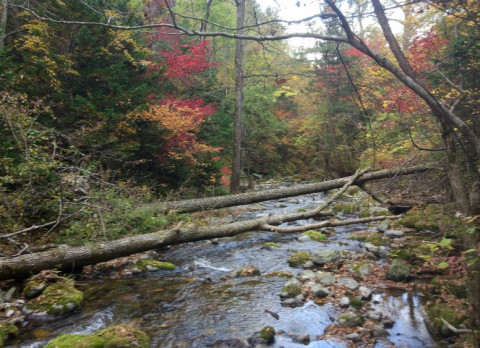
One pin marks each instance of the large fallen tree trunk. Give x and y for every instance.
(199, 204)
(68, 258)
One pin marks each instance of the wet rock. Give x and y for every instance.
(7, 331)
(349, 283)
(376, 315)
(383, 226)
(325, 278)
(306, 275)
(379, 251)
(264, 336)
(398, 271)
(350, 319)
(388, 323)
(319, 291)
(230, 343)
(150, 265)
(365, 292)
(298, 258)
(33, 289)
(304, 238)
(315, 235)
(354, 337)
(323, 257)
(379, 330)
(294, 302)
(344, 302)
(124, 336)
(308, 264)
(291, 288)
(300, 338)
(394, 233)
(57, 299)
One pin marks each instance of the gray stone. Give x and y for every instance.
(365, 293)
(350, 319)
(398, 271)
(291, 288)
(31, 290)
(376, 315)
(394, 233)
(9, 313)
(319, 291)
(344, 302)
(379, 330)
(383, 226)
(300, 338)
(304, 238)
(364, 269)
(9, 295)
(388, 323)
(349, 283)
(355, 337)
(306, 275)
(377, 211)
(323, 257)
(326, 278)
(230, 343)
(308, 264)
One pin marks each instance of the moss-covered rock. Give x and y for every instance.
(374, 211)
(291, 288)
(356, 303)
(33, 289)
(315, 235)
(7, 331)
(281, 274)
(151, 265)
(270, 245)
(350, 319)
(118, 336)
(57, 299)
(398, 271)
(248, 271)
(346, 208)
(434, 217)
(435, 314)
(299, 258)
(267, 334)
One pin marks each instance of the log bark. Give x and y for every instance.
(191, 205)
(66, 258)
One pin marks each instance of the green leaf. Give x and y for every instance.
(471, 230)
(445, 242)
(443, 265)
(470, 251)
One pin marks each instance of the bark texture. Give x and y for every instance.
(198, 204)
(68, 258)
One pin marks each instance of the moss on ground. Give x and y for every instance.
(7, 331)
(118, 336)
(152, 265)
(315, 235)
(299, 258)
(57, 299)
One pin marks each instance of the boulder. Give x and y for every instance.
(349, 283)
(350, 319)
(323, 257)
(319, 291)
(291, 288)
(325, 278)
(398, 271)
(365, 292)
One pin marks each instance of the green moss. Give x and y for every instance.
(248, 271)
(270, 245)
(299, 258)
(58, 298)
(356, 303)
(437, 312)
(76, 341)
(151, 264)
(376, 239)
(315, 235)
(7, 331)
(281, 274)
(267, 334)
(119, 336)
(346, 208)
(433, 217)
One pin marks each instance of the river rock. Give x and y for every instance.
(230, 343)
(300, 338)
(350, 319)
(291, 288)
(319, 291)
(365, 293)
(325, 278)
(376, 315)
(394, 233)
(379, 251)
(354, 337)
(364, 269)
(323, 257)
(398, 271)
(306, 275)
(379, 330)
(9, 294)
(308, 265)
(264, 336)
(33, 289)
(304, 238)
(349, 283)
(344, 302)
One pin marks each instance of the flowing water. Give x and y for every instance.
(198, 304)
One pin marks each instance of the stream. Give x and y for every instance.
(198, 303)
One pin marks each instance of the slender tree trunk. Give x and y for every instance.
(238, 122)
(198, 204)
(3, 24)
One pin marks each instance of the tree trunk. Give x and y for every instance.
(3, 24)
(198, 204)
(67, 258)
(237, 122)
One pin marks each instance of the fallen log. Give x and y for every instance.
(198, 204)
(67, 258)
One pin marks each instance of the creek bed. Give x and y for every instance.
(198, 303)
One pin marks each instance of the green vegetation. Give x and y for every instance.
(315, 235)
(121, 336)
(299, 258)
(356, 303)
(7, 331)
(144, 265)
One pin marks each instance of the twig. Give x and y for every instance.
(31, 228)
(454, 329)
